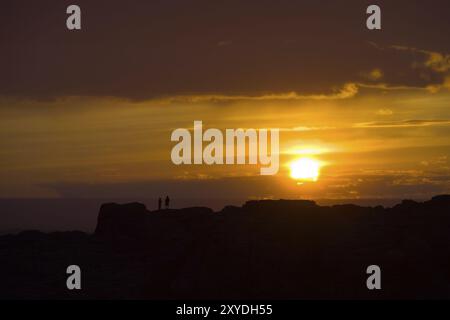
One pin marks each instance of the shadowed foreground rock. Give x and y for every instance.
(264, 249)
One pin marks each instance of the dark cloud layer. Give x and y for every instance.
(146, 49)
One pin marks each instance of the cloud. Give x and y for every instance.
(436, 61)
(384, 112)
(349, 90)
(307, 128)
(374, 75)
(401, 124)
(173, 50)
(439, 161)
(432, 61)
(408, 68)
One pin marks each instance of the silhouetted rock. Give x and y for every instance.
(280, 249)
(445, 199)
(439, 203)
(116, 219)
(278, 205)
(407, 204)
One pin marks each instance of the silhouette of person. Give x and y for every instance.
(159, 203)
(167, 202)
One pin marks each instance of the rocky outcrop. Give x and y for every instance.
(121, 219)
(270, 249)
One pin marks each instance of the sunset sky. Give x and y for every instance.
(89, 113)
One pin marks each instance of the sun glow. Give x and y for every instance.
(305, 169)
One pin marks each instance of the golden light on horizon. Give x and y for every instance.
(306, 169)
(308, 151)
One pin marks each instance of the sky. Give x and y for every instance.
(89, 113)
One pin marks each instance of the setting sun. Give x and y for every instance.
(305, 169)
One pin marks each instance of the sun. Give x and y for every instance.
(306, 169)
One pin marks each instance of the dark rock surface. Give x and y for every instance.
(282, 249)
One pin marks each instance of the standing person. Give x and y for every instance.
(167, 202)
(159, 203)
